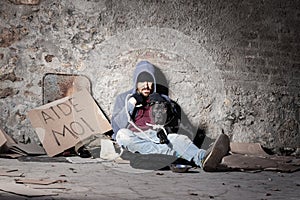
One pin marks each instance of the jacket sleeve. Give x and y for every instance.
(119, 118)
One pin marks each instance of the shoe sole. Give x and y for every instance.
(218, 151)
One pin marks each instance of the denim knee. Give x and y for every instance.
(123, 137)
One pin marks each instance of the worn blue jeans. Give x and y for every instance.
(147, 142)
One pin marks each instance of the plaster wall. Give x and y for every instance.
(231, 64)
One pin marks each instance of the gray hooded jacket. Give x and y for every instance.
(119, 118)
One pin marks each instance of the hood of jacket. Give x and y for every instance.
(143, 66)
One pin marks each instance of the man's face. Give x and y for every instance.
(145, 88)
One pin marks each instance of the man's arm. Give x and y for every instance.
(119, 116)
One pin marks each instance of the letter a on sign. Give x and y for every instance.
(70, 122)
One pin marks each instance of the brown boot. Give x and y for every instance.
(214, 155)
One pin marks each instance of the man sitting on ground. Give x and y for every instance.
(134, 131)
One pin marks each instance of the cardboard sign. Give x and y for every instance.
(61, 124)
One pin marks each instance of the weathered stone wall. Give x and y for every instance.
(231, 64)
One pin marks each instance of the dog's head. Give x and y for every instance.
(159, 113)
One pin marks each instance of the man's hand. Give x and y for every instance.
(136, 99)
(163, 139)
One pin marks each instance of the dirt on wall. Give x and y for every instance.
(231, 65)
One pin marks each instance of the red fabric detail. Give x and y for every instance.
(143, 116)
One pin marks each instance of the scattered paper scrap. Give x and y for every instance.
(11, 173)
(12, 149)
(24, 190)
(39, 181)
(30, 149)
(273, 163)
(247, 149)
(79, 160)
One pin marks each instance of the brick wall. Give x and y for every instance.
(230, 64)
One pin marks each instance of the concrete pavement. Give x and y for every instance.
(111, 180)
